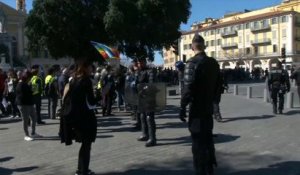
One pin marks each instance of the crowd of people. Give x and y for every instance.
(75, 93)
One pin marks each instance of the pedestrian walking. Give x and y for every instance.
(24, 100)
(201, 85)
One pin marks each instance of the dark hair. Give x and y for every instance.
(50, 71)
(26, 75)
(81, 69)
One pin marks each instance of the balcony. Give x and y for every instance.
(265, 41)
(261, 28)
(229, 45)
(297, 38)
(229, 34)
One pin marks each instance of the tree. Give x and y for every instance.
(66, 27)
(142, 26)
(136, 27)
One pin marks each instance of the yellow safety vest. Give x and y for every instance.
(49, 79)
(34, 85)
(99, 85)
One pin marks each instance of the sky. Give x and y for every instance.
(200, 10)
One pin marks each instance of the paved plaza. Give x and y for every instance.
(250, 141)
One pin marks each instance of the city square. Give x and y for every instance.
(149, 87)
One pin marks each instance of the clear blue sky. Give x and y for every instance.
(201, 9)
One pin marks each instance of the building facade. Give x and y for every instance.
(12, 23)
(250, 39)
(12, 34)
(170, 58)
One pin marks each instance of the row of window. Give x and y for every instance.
(253, 25)
(247, 51)
(218, 42)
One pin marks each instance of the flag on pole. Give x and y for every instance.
(105, 51)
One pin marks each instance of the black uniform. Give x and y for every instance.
(147, 118)
(278, 84)
(108, 92)
(296, 75)
(201, 86)
(223, 86)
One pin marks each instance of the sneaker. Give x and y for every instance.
(36, 136)
(27, 138)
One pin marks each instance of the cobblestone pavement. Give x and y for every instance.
(251, 141)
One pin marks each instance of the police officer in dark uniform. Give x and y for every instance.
(148, 125)
(201, 86)
(278, 84)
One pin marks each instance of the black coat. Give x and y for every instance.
(201, 85)
(78, 121)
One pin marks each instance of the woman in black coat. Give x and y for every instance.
(78, 121)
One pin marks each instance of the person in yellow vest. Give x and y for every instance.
(37, 89)
(52, 92)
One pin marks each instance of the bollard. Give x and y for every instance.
(290, 100)
(249, 92)
(266, 96)
(235, 90)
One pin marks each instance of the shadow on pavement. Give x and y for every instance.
(181, 167)
(172, 125)
(247, 118)
(7, 121)
(174, 141)
(281, 168)
(54, 138)
(292, 112)
(109, 121)
(222, 138)
(8, 171)
(104, 136)
(3, 129)
(5, 159)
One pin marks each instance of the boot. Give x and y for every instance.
(274, 108)
(144, 126)
(152, 131)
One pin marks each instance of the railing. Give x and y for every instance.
(297, 23)
(261, 41)
(229, 45)
(261, 28)
(229, 33)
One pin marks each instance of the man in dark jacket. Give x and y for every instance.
(279, 84)
(148, 125)
(201, 85)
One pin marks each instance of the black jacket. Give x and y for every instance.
(201, 85)
(79, 122)
(24, 94)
